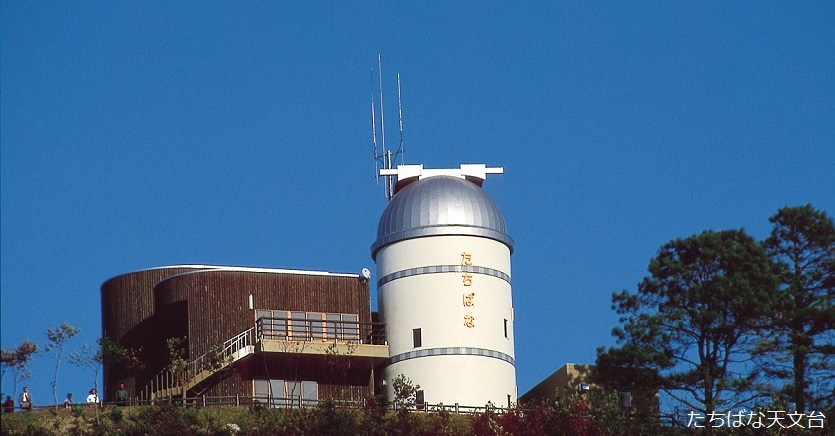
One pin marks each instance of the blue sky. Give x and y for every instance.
(136, 135)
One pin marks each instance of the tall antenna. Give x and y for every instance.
(400, 150)
(385, 157)
(374, 130)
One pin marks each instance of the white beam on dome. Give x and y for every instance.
(465, 171)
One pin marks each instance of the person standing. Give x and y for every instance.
(8, 405)
(26, 399)
(93, 398)
(68, 401)
(122, 394)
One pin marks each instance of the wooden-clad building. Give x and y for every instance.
(284, 336)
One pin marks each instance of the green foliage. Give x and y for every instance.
(799, 351)
(217, 361)
(163, 419)
(687, 328)
(405, 392)
(339, 366)
(16, 359)
(177, 362)
(57, 338)
(89, 358)
(116, 414)
(597, 413)
(333, 421)
(574, 416)
(115, 356)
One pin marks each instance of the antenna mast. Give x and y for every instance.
(385, 157)
(400, 150)
(374, 130)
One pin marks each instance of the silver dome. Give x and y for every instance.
(440, 205)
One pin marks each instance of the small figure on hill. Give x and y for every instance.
(26, 399)
(93, 398)
(122, 394)
(68, 401)
(8, 405)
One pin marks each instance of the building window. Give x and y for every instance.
(307, 326)
(505, 328)
(299, 328)
(625, 399)
(317, 327)
(420, 402)
(262, 390)
(350, 328)
(287, 393)
(416, 337)
(332, 327)
(310, 393)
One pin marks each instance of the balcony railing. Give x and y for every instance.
(291, 329)
(168, 384)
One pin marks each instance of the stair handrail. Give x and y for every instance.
(164, 380)
(212, 358)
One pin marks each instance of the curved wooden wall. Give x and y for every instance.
(127, 308)
(209, 305)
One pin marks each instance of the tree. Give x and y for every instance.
(106, 352)
(17, 360)
(177, 362)
(686, 330)
(405, 392)
(801, 349)
(339, 366)
(6, 361)
(58, 337)
(119, 358)
(91, 358)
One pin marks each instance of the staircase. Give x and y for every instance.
(167, 385)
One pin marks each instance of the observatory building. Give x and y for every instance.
(286, 337)
(443, 280)
(292, 338)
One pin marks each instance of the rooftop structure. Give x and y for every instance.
(292, 338)
(441, 202)
(443, 268)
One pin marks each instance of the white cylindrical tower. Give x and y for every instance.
(443, 278)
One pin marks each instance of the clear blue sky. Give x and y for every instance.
(144, 134)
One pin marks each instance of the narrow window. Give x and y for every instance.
(294, 393)
(351, 327)
(505, 328)
(310, 393)
(317, 327)
(334, 326)
(419, 401)
(265, 327)
(278, 393)
(299, 330)
(262, 389)
(625, 399)
(417, 338)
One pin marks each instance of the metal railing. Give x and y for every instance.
(169, 383)
(216, 359)
(292, 402)
(290, 329)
